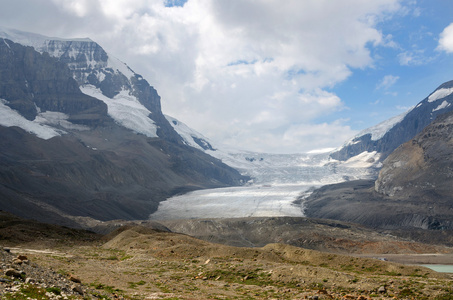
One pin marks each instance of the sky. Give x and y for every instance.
(266, 75)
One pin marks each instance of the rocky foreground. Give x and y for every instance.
(24, 279)
(136, 262)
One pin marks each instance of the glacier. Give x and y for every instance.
(278, 186)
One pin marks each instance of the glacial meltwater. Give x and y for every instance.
(440, 268)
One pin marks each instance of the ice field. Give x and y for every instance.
(277, 182)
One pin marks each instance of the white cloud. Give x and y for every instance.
(244, 72)
(387, 82)
(415, 57)
(446, 39)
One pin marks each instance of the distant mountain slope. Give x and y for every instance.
(414, 188)
(82, 135)
(388, 135)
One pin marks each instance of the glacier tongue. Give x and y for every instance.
(280, 183)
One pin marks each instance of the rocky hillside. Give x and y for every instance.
(82, 135)
(414, 188)
(387, 136)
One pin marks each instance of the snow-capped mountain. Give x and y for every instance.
(388, 135)
(84, 136)
(130, 100)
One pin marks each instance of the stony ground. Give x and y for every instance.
(141, 263)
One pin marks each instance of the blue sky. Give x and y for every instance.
(266, 75)
(414, 66)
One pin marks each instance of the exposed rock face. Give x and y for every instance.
(423, 167)
(31, 81)
(439, 102)
(414, 188)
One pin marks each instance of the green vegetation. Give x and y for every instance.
(27, 292)
(133, 285)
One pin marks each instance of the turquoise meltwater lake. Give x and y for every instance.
(440, 268)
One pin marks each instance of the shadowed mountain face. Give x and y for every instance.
(92, 166)
(414, 188)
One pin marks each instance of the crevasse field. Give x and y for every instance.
(278, 180)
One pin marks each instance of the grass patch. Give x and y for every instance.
(133, 285)
(27, 292)
(55, 290)
(107, 288)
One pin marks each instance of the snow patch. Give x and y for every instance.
(126, 110)
(444, 104)
(58, 119)
(187, 133)
(439, 94)
(363, 160)
(119, 67)
(10, 117)
(319, 151)
(4, 41)
(100, 76)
